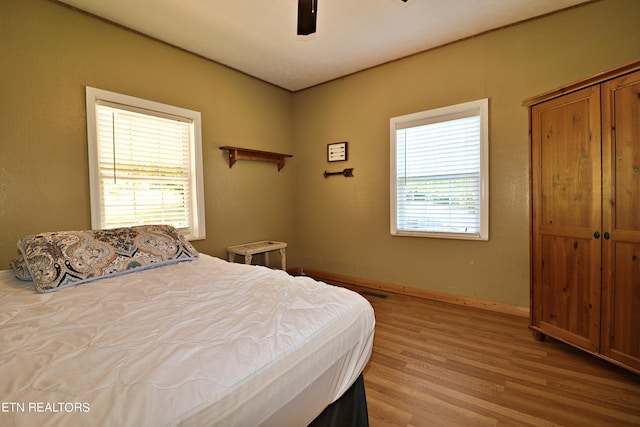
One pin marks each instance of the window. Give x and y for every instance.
(145, 163)
(440, 173)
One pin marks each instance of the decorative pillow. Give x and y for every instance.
(20, 269)
(62, 259)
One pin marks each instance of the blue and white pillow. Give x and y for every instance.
(57, 260)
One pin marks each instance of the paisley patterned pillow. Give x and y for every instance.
(20, 269)
(58, 260)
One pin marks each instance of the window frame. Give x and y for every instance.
(94, 97)
(467, 109)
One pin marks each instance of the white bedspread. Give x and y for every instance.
(204, 342)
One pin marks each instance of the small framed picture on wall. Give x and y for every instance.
(337, 152)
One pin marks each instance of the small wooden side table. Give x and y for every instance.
(263, 246)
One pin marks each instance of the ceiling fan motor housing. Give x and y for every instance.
(307, 14)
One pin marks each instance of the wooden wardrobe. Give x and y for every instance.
(585, 215)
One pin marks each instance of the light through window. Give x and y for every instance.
(439, 178)
(145, 163)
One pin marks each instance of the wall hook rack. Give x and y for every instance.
(347, 173)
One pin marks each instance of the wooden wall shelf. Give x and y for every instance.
(237, 153)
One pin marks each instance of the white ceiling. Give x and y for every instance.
(258, 37)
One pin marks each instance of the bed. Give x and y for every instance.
(193, 340)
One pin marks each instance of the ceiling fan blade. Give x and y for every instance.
(307, 13)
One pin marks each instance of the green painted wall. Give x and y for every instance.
(49, 53)
(343, 223)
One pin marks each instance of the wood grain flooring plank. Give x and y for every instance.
(439, 364)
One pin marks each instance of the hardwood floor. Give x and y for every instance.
(439, 364)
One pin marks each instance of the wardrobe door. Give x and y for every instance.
(621, 215)
(566, 218)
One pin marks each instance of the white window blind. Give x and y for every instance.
(143, 167)
(439, 186)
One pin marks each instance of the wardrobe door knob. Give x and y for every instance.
(606, 235)
(596, 235)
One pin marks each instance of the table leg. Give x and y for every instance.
(266, 258)
(247, 259)
(283, 256)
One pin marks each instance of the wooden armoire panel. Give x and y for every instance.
(566, 249)
(585, 214)
(621, 216)
(567, 303)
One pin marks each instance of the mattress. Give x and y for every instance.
(204, 342)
